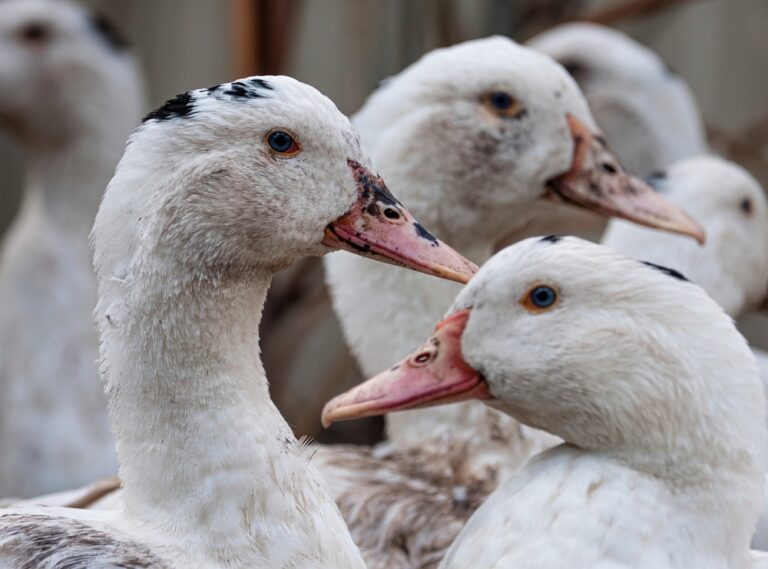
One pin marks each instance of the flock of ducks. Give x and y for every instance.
(604, 410)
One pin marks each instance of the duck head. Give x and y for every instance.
(494, 132)
(575, 339)
(256, 173)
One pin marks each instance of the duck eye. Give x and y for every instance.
(500, 100)
(502, 103)
(35, 33)
(543, 297)
(540, 297)
(746, 206)
(282, 142)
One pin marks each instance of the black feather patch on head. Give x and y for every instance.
(108, 32)
(244, 89)
(551, 239)
(667, 271)
(180, 106)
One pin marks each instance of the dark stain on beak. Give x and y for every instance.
(424, 234)
(371, 186)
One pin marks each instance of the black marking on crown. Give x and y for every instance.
(108, 33)
(551, 239)
(667, 271)
(183, 105)
(244, 89)
(180, 106)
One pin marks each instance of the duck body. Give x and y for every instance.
(71, 95)
(594, 512)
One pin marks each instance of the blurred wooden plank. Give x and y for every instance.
(245, 56)
(262, 31)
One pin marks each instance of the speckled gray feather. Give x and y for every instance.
(41, 542)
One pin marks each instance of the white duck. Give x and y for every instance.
(476, 135)
(70, 93)
(646, 111)
(218, 189)
(665, 430)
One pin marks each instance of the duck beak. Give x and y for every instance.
(435, 374)
(378, 226)
(597, 182)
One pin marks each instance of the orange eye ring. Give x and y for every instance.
(540, 298)
(282, 143)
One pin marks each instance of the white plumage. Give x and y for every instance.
(666, 430)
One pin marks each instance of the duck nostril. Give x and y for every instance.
(608, 167)
(391, 213)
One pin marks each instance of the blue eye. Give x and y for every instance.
(543, 296)
(282, 142)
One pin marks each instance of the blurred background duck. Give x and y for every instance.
(70, 93)
(647, 113)
(732, 266)
(665, 433)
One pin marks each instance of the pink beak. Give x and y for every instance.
(435, 374)
(378, 226)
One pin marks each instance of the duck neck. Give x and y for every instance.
(65, 179)
(717, 501)
(203, 450)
